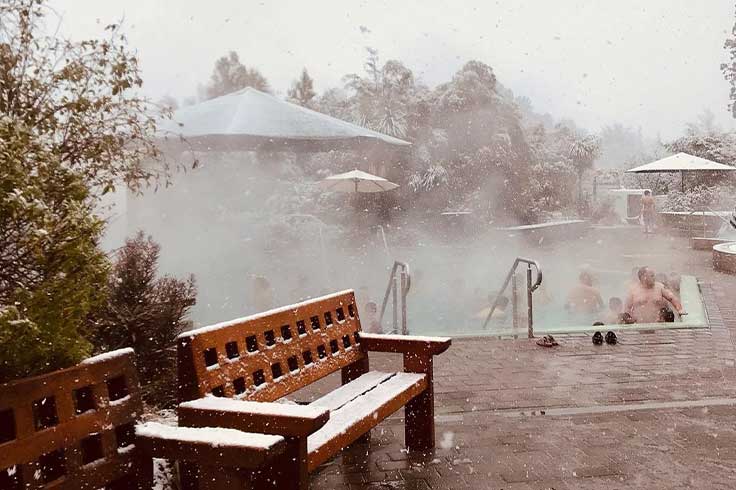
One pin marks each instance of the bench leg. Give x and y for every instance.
(143, 470)
(289, 471)
(188, 473)
(419, 412)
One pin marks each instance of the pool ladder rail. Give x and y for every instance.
(531, 286)
(399, 283)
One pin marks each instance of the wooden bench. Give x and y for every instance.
(257, 360)
(76, 429)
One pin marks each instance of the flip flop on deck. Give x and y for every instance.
(547, 341)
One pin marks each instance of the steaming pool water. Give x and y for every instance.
(450, 284)
(428, 316)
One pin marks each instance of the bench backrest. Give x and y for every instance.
(72, 428)
(269, 355)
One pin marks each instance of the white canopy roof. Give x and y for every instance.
(250, 118)
(356, 181)
(682, 162)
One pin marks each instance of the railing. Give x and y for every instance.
(382, 235)
(398, 287)
(705, 225)
(531, 286)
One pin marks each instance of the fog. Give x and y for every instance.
(231, 224)
(256, 231)
(653, 65)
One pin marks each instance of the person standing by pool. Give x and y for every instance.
(647, 211)
(584, 298)
(645, 301)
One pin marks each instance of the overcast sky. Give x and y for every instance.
(653, 64)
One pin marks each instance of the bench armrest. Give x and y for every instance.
(226, 447)
(261, 417)
(405, 344)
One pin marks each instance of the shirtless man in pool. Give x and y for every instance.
(646, 299)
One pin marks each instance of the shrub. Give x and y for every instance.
(145, 313)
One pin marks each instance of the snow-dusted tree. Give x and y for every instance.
(51, 271)
(382, 98)
(80, 98)
(72, 126)
(583, 152)
(705, 124)
(302, 90)
(719, 147)
(230, 75)
(729, 69)
(146, 313)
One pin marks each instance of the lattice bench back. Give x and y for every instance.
(267, 356)
(72, 428)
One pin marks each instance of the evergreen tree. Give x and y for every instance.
(302, 90)
(230, 75)
(146, 313)
(51, 271)
(71, 128)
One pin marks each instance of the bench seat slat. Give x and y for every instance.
(357, 417)
(207, 445)
(349, 392)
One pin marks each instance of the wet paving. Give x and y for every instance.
(655, 411)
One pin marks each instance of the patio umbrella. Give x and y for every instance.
(251, 120)
(356, 181)
(682, 162)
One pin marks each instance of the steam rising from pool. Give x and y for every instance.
(236, 222)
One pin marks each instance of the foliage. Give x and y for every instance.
(729, 69)
(619, 145)
(382, 98)
(718, 147)
(473, 86)
(146, 313)
(302, 90)
(604, 212)
(79, 98)
(700, 198)
(51, 271)
(230, 75)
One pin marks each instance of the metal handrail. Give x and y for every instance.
(530, 288)
(402, 283)
(702, 211)
(380, 231)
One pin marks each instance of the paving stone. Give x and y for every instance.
(483, 385)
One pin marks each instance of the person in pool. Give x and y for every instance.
(499, 314)
(645, 301)
(370, 321)
(584, 298)
(615, 309)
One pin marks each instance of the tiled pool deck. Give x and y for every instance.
(658, 410)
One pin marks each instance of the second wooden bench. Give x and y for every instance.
(257, 360)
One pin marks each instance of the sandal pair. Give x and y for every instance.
(547, 341)
(611, 338)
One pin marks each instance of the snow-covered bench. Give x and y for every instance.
(76, 429)
(231, 373)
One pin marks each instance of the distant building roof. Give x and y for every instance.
(250, 119)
